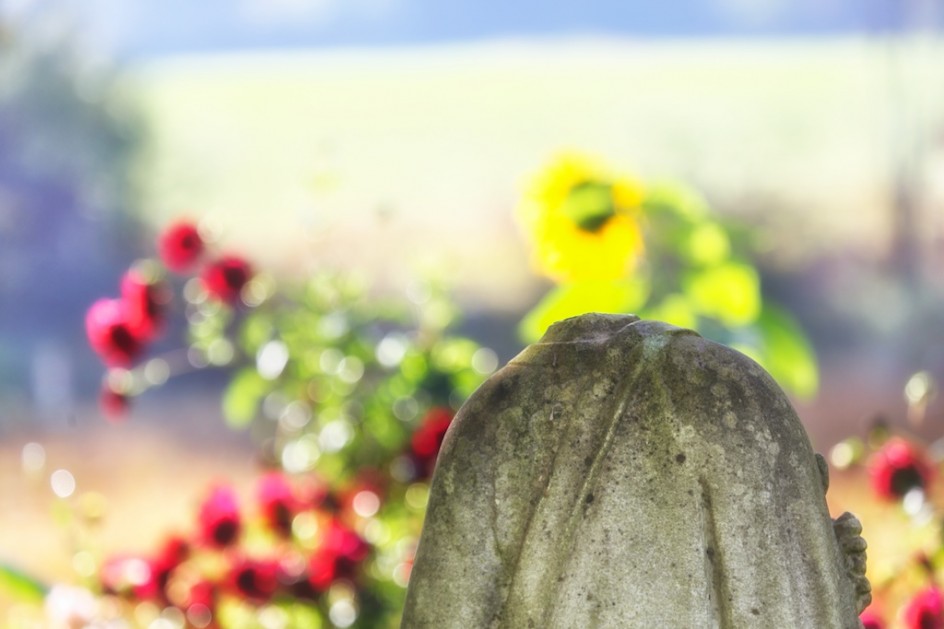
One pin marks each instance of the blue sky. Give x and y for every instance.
(156, 27)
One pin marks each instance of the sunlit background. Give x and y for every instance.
(391, 138)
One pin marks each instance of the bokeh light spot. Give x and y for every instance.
(351, 369)
(919, 388)
(366, 504)
(300, 455)
(271, 359)
(272, 617)
(343, 613)
(401, 574)
(485, 361)
(406, 409)
(391, 350)
(220, 352)
(156, 371)
(62, 483)
(305, 526)
(335, 435)
(295, 416)
(199, 615)
(33, 458)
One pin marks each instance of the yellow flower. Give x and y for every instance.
(582, 221)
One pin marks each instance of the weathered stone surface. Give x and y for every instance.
(626, 473)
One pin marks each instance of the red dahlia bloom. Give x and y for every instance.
(146, 302)
(428, 439)
(110, 333)
(180, 246)
(925, 610)
(278, 503)
(219, 519)
(897, 468)
(254, 579)
(223, 279)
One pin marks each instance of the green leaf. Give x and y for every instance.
(787, 353)
(20, 586)
(729, 292)
(677, 199)
(241, 398)
(674, 309)
(256, 331)
(706, 243)
(570, 300)
(303, 615)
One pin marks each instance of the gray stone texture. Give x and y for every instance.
(627, 473)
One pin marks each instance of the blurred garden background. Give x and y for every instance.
(392, 141)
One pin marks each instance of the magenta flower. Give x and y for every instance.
(146, 303)
(219, 519)
(897, 468)
(111, 334)
(224, 278)
(925, 610)
(180, 246)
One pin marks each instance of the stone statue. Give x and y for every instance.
(627, 473)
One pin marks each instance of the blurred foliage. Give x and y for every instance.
(689, 268)
(348, 394)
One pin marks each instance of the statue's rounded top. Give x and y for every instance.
(595, 327)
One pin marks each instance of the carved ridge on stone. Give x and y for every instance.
(848, 531)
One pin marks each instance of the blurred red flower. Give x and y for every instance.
(146, 303)
(278, 502)
(253, 579)
(871, 620)
(201, 594)
(224, 278)
(925, 610)
(338, 557)
(123, 574)
(428, 439)
(219, 518)
(110, 333)
(180, 246)
(114, 405)
(897, 468)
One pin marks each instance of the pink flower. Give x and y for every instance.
(897, 468)
(253, 579)
(338, 557)
(871, 619)
(180, 246)
(110, 333)
(201, 593)
(224, 278)
(428, 439)
(145, 303)
(925, 610)
(278, 503)
(219, 518)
